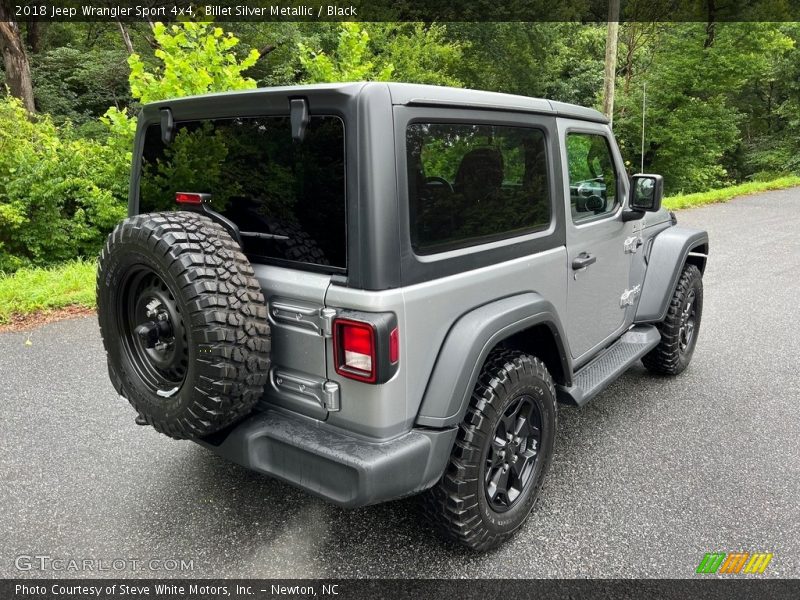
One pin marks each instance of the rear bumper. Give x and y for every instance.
(345, 470)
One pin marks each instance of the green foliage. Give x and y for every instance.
(195, 58)
(78, 85)
(58, 196)
(410, 52)
(703, 102)
(61, 193)
(353, 60)
(418, 52)
(728, 193)
(563, 61)
(192, 58)
(32, 290)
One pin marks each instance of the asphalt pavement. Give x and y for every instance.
(645, 480)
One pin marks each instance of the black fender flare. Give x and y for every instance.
(665, 260)
(469, 342)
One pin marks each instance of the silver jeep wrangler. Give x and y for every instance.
(371, 290)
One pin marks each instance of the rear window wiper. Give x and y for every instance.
(264, 236)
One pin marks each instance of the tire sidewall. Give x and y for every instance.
(696, 284)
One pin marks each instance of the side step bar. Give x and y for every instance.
(597, 374)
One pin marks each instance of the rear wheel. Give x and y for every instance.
(501, 454)
(183, 321)
(680, 327)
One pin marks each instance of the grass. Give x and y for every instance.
(30, 291)
(725, 194)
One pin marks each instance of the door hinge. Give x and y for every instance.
(326, 317)
(632, 244)
(629, 296)
(322, 391)
(319, 320)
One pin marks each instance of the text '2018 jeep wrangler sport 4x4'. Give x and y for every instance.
(371, 290)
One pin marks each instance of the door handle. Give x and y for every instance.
(582, 261)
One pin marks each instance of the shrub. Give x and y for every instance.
(59, 194)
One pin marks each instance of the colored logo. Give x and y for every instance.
(734, 562)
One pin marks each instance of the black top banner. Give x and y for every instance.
(709, 11)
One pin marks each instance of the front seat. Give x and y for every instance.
(480, 175)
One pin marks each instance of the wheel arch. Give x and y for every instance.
(670, 251)
(526, 322)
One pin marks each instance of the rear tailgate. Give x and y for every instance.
(300, 330)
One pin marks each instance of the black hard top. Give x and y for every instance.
(403, 94)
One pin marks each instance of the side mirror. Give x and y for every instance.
(646, 192)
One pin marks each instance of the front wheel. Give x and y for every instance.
(680, 327)
(500, 456)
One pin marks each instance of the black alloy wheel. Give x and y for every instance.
(681, 326)
(512, 456)
(502, 451)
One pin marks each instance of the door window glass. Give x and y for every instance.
(592, 176)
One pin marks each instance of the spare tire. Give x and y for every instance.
(299, 246)
(184, 323)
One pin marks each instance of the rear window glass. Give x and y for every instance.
(261, 180)
(470, 184)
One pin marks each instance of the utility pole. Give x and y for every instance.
(610, 71)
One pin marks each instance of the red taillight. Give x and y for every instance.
(188, 198)
(354, 354)
(394, 346)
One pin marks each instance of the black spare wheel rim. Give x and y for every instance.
(153, 331)
(511, 459)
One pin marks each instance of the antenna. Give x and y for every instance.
(644, 105)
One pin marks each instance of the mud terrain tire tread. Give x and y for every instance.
(228, 330)
(452, 504)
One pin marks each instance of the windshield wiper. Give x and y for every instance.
(264, 236)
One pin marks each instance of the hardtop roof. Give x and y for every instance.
(411, 94)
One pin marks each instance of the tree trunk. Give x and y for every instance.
(15, 59)
(610, 71)
(126, 38)
(711, 25)
(33, 35)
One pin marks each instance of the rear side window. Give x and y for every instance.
(471, 184)
(261, 180)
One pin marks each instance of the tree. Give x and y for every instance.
(410, 52)
(15, 58)
(610, 70)
(192, 58)
(352, 60)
